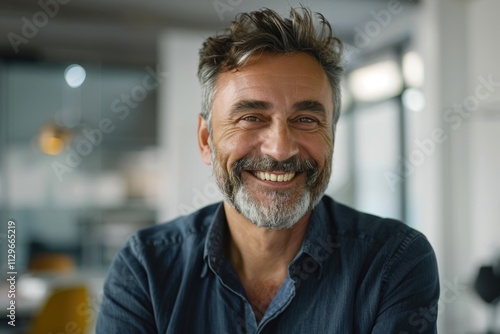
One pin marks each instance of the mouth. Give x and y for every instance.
(273, 176)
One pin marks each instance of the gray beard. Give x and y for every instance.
(280, 213)
(272, 217)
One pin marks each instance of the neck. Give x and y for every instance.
(259, 254)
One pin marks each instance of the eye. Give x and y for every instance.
(252, 122)
(306, 120)
(305, 123)
(250, 119)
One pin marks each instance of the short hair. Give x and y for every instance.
(266, 31)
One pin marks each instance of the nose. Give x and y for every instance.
(279, 142)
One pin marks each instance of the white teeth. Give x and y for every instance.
(274, 177)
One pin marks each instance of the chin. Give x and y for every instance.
(280, 214)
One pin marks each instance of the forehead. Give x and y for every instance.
(278, 79)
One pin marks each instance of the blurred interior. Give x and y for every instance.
(98, 114)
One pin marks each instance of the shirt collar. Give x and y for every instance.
(214, 244)
(318, 243)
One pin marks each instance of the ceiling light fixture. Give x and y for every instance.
(53, 138)
(376, 82)
(75, 75)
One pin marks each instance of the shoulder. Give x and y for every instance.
(373, 234)
(351, 223)
(182, 232)
(381, 251)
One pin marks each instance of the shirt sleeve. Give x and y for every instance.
(410, 292)
(126, 306)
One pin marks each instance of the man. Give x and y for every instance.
(277, 256)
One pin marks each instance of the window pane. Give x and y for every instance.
(376, 150)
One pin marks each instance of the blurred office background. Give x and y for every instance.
(98, 113)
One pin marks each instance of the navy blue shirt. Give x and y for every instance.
(354, 273)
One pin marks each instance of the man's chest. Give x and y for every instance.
(260, 295)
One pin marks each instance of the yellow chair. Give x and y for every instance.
(62, 312)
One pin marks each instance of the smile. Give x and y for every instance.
(266, 176)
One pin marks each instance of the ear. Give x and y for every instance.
(203, 136)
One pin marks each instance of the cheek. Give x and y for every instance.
(318, 146)
(233, 145)
(327, 139)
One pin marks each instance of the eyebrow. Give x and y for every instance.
(247, 105)
(310, 105)
(305, 105)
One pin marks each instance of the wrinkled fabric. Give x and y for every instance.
(355, 273)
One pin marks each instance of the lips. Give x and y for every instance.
(267, 176)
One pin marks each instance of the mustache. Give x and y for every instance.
(294, 164)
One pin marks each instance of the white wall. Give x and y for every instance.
(484, 135)
(187, 184)
(457, 189)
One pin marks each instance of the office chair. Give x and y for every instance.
(63, 312)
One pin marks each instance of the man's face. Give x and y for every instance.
(271, 144)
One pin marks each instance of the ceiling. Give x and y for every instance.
(126, 31)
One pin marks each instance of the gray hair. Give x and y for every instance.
(266, 31)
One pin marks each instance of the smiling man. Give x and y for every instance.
(277, 256)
